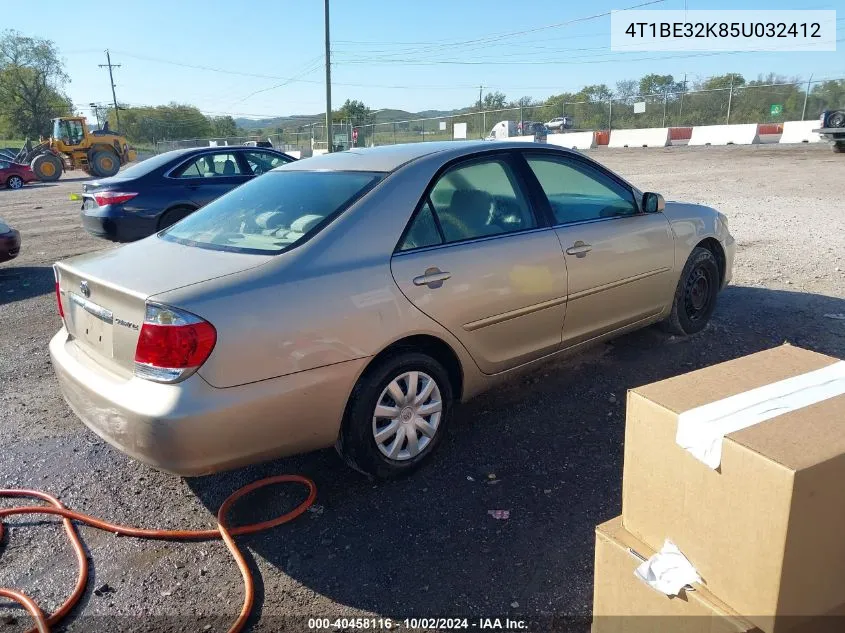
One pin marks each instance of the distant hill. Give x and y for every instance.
(304, 120)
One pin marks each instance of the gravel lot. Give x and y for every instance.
(424, 546)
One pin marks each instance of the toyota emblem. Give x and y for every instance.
(84, 289)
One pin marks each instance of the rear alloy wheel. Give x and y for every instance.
(695, 296)
(14, 182)
(47, 167)
(396, 415)
(104, 164)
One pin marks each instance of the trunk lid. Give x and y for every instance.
(104, 294)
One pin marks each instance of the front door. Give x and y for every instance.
(475, 259)
(619, 260)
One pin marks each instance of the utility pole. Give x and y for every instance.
(806, 94)
(681, 110)
(109, 65)
(328, 82)
(730, 98)
(480, 88)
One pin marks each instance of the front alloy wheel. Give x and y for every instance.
(15, 182)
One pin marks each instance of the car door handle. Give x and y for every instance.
(433, 278)
(579, 248)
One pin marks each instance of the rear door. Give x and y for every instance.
(210, 175)
(619, 260)
(477, 259)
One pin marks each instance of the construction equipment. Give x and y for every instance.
(71, 146)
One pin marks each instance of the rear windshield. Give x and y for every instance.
(148, 165)
(273, 212)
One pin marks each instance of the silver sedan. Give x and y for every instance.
(353, 299)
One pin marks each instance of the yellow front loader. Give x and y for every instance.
(72, 146)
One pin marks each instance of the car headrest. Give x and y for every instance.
(269, 220)
(305, 223)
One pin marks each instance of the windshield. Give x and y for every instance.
(273, 212)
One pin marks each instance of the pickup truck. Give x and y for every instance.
(832, 128)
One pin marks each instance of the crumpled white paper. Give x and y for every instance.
(668, 571)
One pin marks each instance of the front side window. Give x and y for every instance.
(261, 162)
(272, 214)
(578, 192)
(479, 200)
(211, 166)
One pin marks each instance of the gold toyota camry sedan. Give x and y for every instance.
(352, 299)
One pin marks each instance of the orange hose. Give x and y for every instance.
(223, 531)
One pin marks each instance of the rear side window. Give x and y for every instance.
(210, 166)
(470, 201)
(271, 214)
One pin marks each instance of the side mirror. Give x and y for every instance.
(653, 203)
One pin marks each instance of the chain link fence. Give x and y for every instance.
(755, 102)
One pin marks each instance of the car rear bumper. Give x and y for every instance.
(10, 245)
(192, 428)
(115, 223)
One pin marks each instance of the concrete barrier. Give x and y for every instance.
(800, 132)
(573, 140)
(524, 139)
(295, 153)
(645, 137)
(740, 134)
(319, 152)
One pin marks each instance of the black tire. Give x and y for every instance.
(839, 147)
(172, 216)
(695, 296)
(104, 163)
(47, 167)
(356, 442)
(14, 182)
(836, 119)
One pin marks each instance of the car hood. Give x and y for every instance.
(153, 265)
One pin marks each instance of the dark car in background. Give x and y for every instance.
(160, 191)
(10, 242)
(15, 175)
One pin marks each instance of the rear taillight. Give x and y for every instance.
(58, 294)
(113, 197)
(172, 344)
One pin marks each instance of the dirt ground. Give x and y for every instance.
(424, 546)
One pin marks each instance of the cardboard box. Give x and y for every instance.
(622, 603)
(766, 529)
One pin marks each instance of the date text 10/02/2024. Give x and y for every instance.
(482, 624)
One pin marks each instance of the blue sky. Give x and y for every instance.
(398, 54)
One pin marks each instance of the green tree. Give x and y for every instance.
(224, 126)
(356, 112)
(494, 101)
(31, 81)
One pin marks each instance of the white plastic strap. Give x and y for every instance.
(701, 430)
